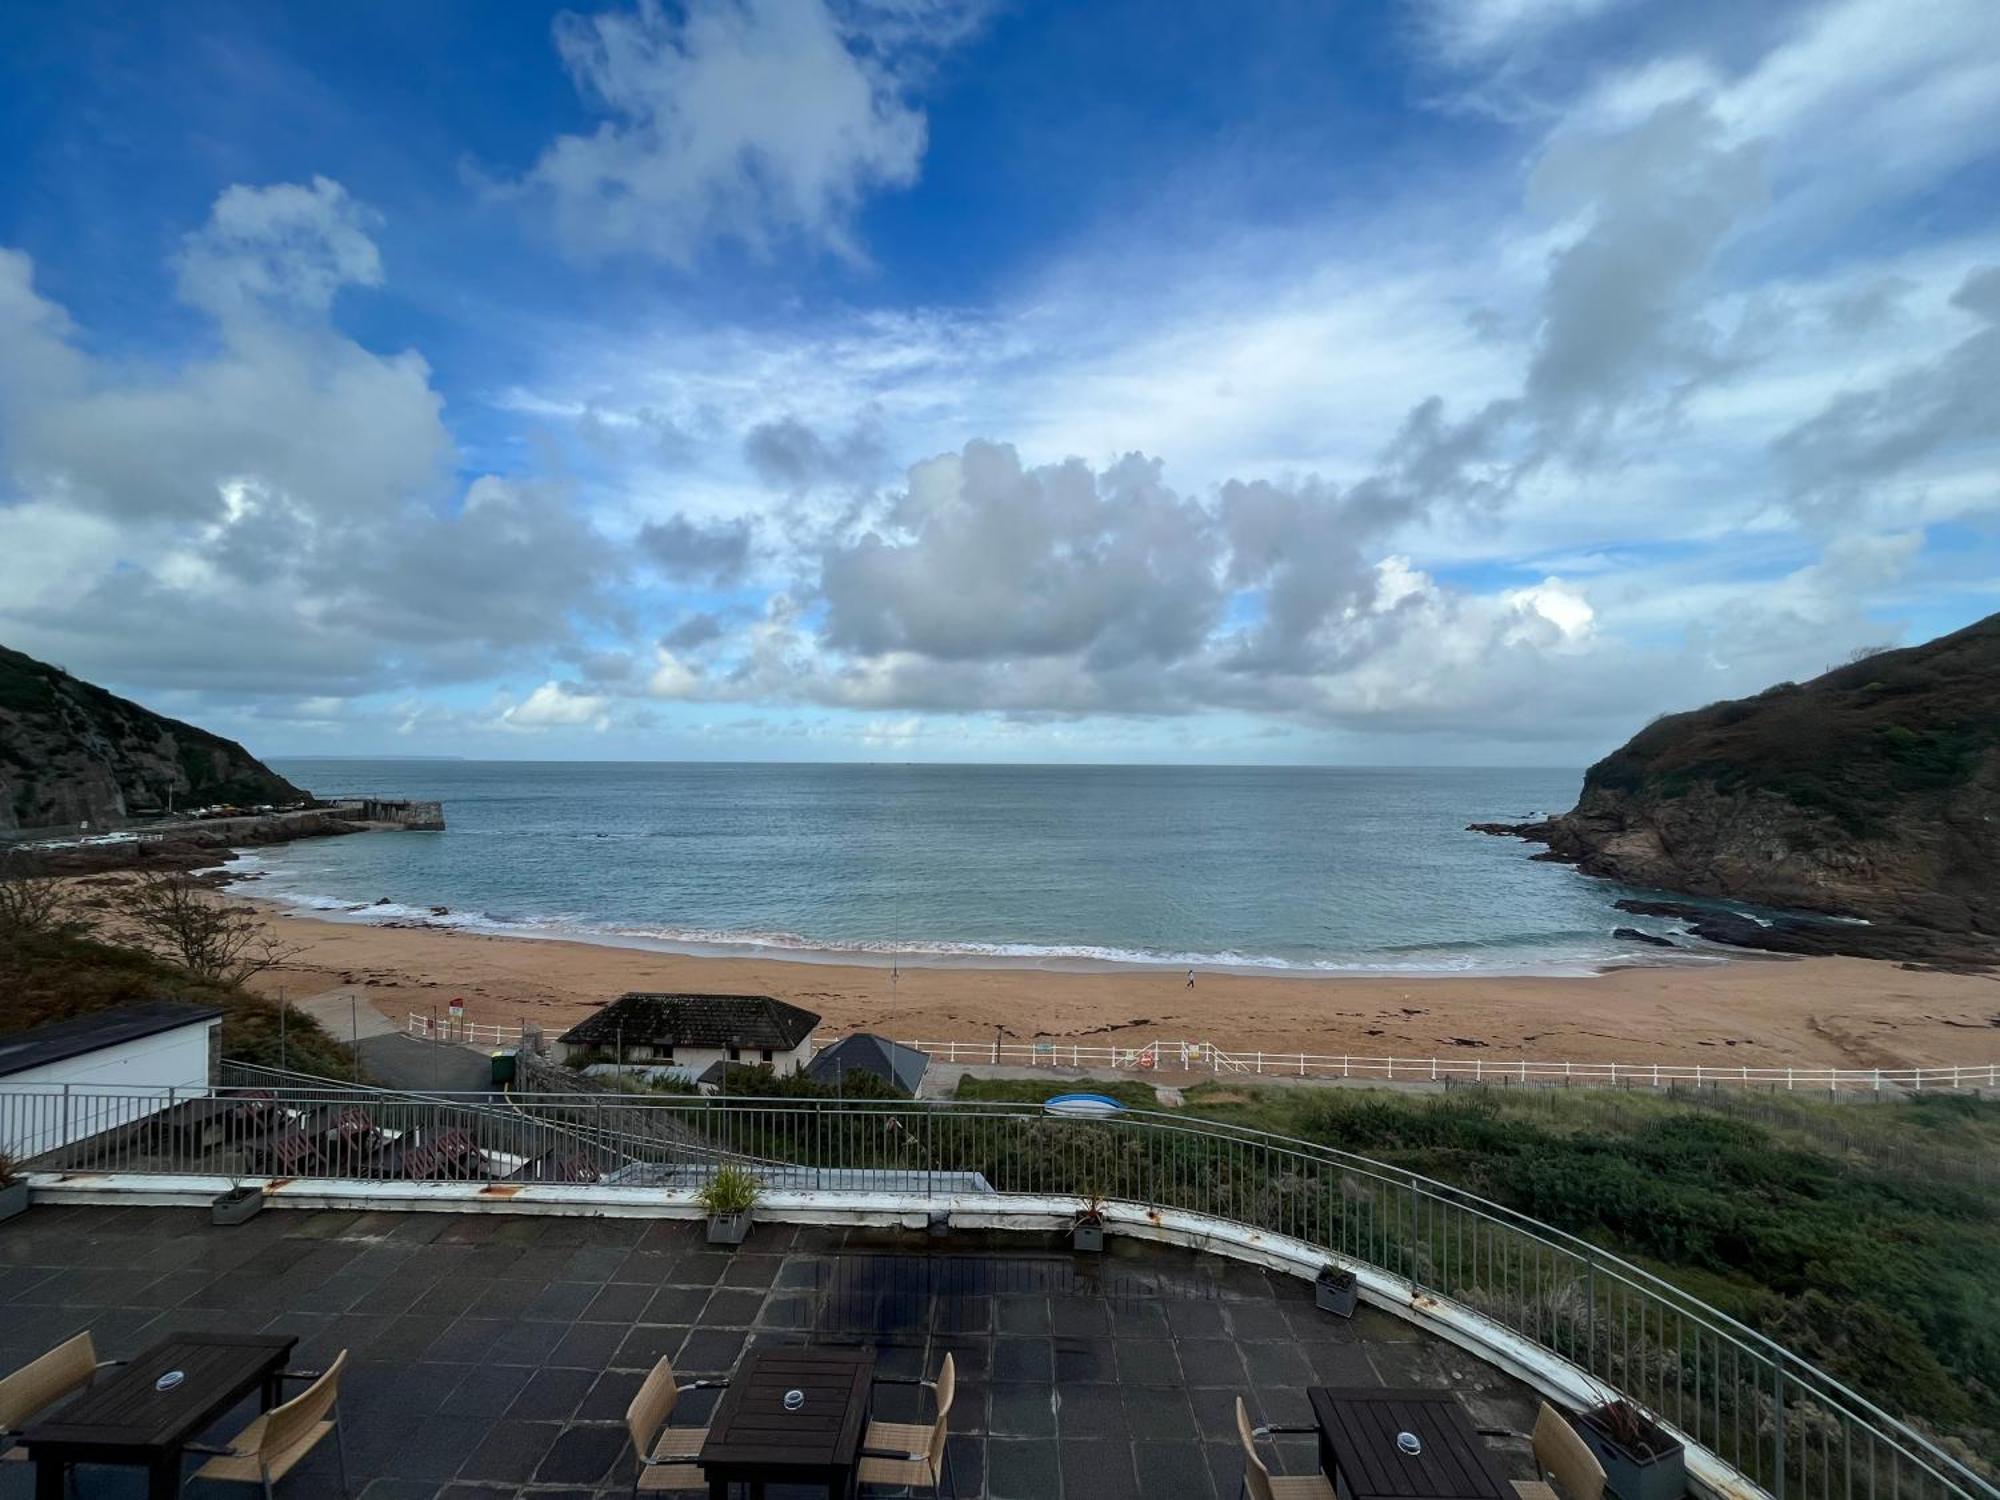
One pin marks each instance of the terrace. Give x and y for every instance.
(507, 1326)
(494, 1355)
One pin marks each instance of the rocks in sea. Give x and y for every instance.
(1634, 935)
(440, 911)
(381, 900)
(1902, 942)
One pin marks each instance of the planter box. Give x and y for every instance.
(235, 1206)
(728, 1229)
(1335, 1291)
(1662, 1475)
(1087, 1234)
(14, 1199)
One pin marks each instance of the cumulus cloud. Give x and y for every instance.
(283, 513)
(714, 551)
(556, 705)
(745, 120)
(287, 245)
(789, 455)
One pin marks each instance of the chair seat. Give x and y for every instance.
(916, 1471)
(679, 1442)
(899, 1437)
(657, 1478)
(1535, 1489)
(244, 1469)
(14, 1455)
(1301, 1487)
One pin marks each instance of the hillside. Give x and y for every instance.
(71, 752)
(1872, 791)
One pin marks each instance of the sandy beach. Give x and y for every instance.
(1750, 1011)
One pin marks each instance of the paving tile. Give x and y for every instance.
(619, 1302)
(1090, 1411)
(1083, 1360)
(561, 1301)
(1025, 1317)
(582, 1455)
(1099, 1468)
(487, 1390)
(1023, 1469)
(610, 1395)
(511, 1452)
(1083, 1317)
(1022, 1359)
(588, 1346)
(1173, 1471)
(647, 1344)
(732, 1308)
(710, 1351)
(1021, 1410)
(1147, 1362)
(676, 1304)
(551, 1395)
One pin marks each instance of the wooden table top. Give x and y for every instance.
(752, 1430)
(126, 1410)
(1360, 1425)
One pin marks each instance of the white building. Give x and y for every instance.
(689, 1033)
(62, 1082)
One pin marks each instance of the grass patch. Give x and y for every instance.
(57, 978)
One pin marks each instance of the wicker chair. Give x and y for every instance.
(667, 1455)
(1562, 1456)
(914, 1455)
(1259, 1483)
(272, 1445)
(41, 1383)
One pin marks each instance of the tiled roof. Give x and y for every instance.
(865, 1052)
(721, 1021)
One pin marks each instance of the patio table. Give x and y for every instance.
(129, 1419)
(1358, 1429)
(752, 1437)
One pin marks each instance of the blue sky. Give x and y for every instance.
(1448, 381)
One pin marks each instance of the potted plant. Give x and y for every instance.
(1087, 1233)
(13, 1189)
(236, 1205)
(728, 1196)
(1335, 1290)
(1641, 1459)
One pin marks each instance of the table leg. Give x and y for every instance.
(163, 1476)
(48, 1478)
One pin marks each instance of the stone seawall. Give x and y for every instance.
(418, 817)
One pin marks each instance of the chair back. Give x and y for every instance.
(651, 1406)
(46, 1380)
(947, 1386)
(1564, 1456)
(1256, 1478)
(289, 1425)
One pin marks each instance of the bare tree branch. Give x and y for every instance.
(179, 918)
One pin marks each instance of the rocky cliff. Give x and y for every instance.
(1872, 791)
(71, 752)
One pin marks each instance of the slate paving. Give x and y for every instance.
(491, 1356)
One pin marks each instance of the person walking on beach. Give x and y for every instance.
(1190, 979)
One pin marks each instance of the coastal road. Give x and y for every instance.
(391, 1060)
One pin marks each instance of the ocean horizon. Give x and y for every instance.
(1272, 870)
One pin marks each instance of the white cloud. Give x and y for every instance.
(1472, 31)
(286, 245)
(746, 120)
(557, 705)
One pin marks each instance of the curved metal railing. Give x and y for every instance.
(1786, 1426)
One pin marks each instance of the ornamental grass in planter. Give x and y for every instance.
(1087, 1233)
(728, 1196)
(13, 1189)
(1641, 1459)
(236, 1205)
(1335, 1290)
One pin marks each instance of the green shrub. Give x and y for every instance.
(730, 1191)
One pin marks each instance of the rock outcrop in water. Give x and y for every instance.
(1870, 792)
(71, 753)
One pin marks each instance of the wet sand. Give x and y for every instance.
(1751, 1011)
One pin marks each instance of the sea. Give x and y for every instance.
(1275, 870)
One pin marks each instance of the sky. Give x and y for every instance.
(1436, 382)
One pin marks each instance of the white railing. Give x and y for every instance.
(469, 1033)
(1160, 1056)
(1206, 1057)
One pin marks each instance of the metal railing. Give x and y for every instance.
(1784, 1425)
(1206, 1057)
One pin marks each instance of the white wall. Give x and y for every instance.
(694, 1061)
(111, 1086)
